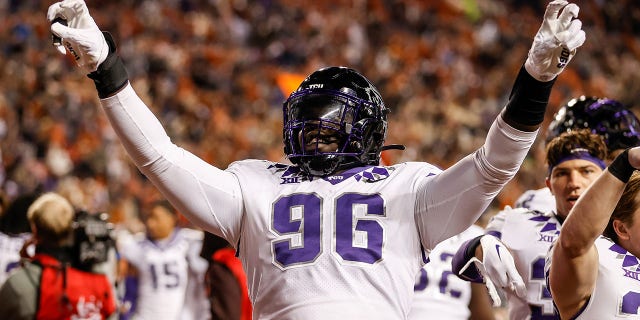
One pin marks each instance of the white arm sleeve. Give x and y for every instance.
(129, 249)
(451, 201)
(209, 197)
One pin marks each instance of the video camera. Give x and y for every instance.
(92, 239)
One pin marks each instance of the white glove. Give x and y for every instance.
(497, 268)
(81, 37)
(556, 41)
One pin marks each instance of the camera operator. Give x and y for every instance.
(48, 286)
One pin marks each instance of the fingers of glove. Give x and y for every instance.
(60, 48)
(493, 293)
(553, 8)
(78, 14)
(517, 284)
(574, 37)
(519, 288)
(54, 11)
(61, 9)
(496, 271)
(74, 11)
(568, 13)
(74, 6)
(63, 31)
(494, 254)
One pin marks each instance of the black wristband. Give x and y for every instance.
(111, 75)
(621, 168)
(528, 99)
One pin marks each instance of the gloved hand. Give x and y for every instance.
(81, 37)
(556, 41)
(497, 268)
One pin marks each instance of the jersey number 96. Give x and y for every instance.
(358, 236)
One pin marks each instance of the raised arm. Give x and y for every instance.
(458, 195)
(208, 196)
(574, 259)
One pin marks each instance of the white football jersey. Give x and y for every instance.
(342, 227)
(345, 246)
(10, 253)
(540, 200)
(617, 291)
(163, 272)
(440, 294)
(528, 234)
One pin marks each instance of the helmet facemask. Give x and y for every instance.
(331, 130)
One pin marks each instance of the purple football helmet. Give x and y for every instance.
(334, 105)
(606, 117)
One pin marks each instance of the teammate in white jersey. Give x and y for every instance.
(596, 277)
(166, 260)
(575, 160)
(440, 294)
(333, 234)
(14, 233)
(606, 117)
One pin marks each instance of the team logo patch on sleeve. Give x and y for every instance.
(288, 174)
(548, 229)
(374, 174)
(630, 264)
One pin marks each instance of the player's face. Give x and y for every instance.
(160, 223)
(325, 139)
(569, 180)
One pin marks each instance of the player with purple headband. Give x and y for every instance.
(334, 234)
(606, 117)
(592, 268)
(512, 252)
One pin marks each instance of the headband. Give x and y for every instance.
(581, 154)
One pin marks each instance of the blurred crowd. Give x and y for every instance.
(216, 73)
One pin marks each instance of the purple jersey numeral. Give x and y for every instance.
(443, 284)
(630, 303)
(170, 277)
(537, 274)
(298, 217)
(345, 214)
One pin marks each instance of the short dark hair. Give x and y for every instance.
(166, 205)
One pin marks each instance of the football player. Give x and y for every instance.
(606, 117)
(333, 234)
(592, 276)
(166, 260)
(439, 292)
(15, 232)
(575, 160)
